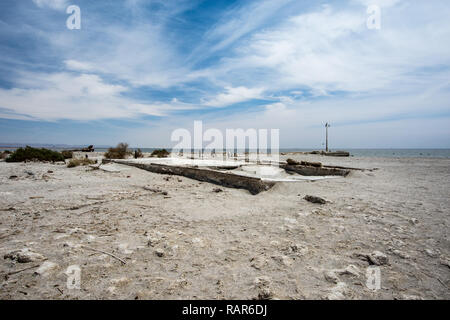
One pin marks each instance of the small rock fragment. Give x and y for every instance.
(331, 276)
(45, 268)
(431, 253)
(217, 190)
(315, 199)
(159, 252)
(24, 256)
(378, 258)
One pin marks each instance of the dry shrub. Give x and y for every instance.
(119, 152)
(80, 162)
(67, 154)
(162, 153)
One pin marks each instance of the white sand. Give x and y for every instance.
(230, 244)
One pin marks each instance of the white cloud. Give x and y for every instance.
(76, 97)
(53, 4)
(234, 95)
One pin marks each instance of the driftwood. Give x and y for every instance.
(107, 253)
(253, 185)
(315, 171)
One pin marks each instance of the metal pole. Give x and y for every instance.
(327, 126)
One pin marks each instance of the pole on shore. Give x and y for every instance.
(327, 125)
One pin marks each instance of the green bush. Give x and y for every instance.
(119, 152)
(67, 154)
(33, 154)
(163, 153)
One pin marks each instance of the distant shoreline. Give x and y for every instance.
(355, 152)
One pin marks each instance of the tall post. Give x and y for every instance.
(327, 125)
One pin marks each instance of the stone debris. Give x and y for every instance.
(46, 268)
(262, 285)
(160, 252)
(431, 253)
(338, 292)
(314, 199)
(378, 258)
(24, 256)
(445, 261)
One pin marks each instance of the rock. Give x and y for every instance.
(401, 254)
(431, 253)
(257, 262)
(262, 285)
(284, 260)
(46, 267)
(290, 220)
(13, 177)
(351, 270)
(198, 242)
(24, 256)
(414, 221)
(378, 258)
(217, 190)
(315, 199)
(338, 292)
(445, 261)
(159, 252)
(331, 276)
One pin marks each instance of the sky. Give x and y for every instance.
(139, 69)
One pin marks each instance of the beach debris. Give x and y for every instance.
(315, 199)
(338, 292)
(431, 253)
(257, 262)
(104, 252)
(292, 162)
(155, 190)
(445, 261)
(331, 276)
(24, 256)
(46, 267)
(22, 270)
(350, 270)
(160, 252)
(262, 285)
(13, 177)
(253, 185)
(378, 258)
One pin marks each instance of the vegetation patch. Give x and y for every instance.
(119, 152)
(80, 162)
(67, 154)
(160, 153)
(33, 154)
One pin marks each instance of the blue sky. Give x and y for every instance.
(138, 69)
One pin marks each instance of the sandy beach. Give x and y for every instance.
(171, 237)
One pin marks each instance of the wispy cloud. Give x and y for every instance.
(169, 58)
